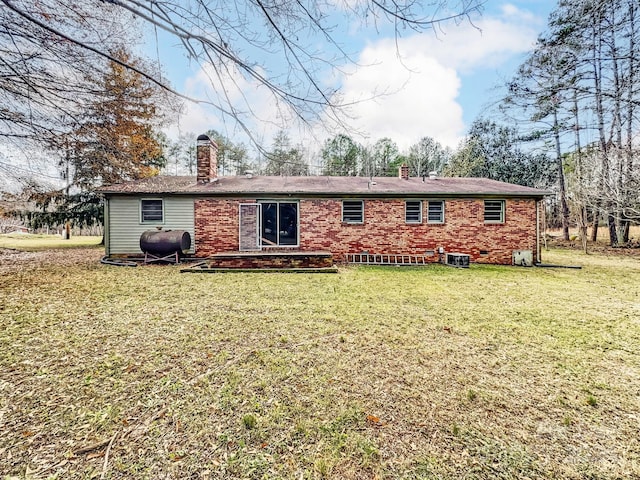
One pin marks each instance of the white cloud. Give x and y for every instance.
(487, 43)
(252, 102)
(511, 11)
(422, 75)
(417, 97)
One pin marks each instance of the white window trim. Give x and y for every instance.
(503, 208)
(413, 222)
(436, 222)
(151, 222)
(351, 222)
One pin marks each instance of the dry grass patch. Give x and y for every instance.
(40, 242)
(490, 372)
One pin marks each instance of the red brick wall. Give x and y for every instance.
(206, 160)
(217, 227)
(384, 229)
(266, 261)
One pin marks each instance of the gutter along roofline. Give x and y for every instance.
(302, 194)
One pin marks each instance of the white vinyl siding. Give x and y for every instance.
(125, 226)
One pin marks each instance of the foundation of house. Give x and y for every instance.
(266, 261)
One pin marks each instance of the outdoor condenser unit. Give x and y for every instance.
(523, 258)
(460, 260)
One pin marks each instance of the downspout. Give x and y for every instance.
(538, 249)
(107, 242)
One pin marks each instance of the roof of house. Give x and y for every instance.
(322, 186)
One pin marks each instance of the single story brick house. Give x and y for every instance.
(486, 219)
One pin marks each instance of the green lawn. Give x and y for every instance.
(374, 373)
(30, 242)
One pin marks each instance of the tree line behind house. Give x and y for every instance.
(577, 94)
(567, 120)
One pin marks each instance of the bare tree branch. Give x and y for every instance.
(285, 46)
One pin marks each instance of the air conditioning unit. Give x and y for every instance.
(460, 260)
(523, 258)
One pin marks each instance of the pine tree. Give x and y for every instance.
(385, 154)
(580, 84)
(340, 156)
(493, 151)
(285, 160)
(116, 140)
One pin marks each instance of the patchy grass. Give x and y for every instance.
(389, 373)
(601, 245)
(37, 242)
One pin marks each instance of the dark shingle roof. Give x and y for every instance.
(323, 186)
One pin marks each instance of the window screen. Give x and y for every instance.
(151, 211)
(413, 212)
(353, 211)
(494, 211)
(435, 212)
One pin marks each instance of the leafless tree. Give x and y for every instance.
(42, 73)
(583, 75)
(591, 184)
(284, 46)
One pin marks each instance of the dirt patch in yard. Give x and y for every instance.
(13, 260)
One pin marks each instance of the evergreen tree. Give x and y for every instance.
(116, 139)
(385, 155)
(493, 151)
(579, 89)
(285, 160)
(340, 156)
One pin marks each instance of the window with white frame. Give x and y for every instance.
(494, 211)
(353, 211)
(435, 211)
(413, 211)
(151, 210)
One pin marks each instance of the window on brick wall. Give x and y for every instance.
(413, 211)
(151, 210)
(353, 211)
(279, 224)
(435, 211)
(494, 211)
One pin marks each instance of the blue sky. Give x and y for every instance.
(442, 82)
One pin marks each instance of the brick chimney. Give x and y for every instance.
(207, 159)
(403, 172)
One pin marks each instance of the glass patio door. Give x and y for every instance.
(279, 224)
